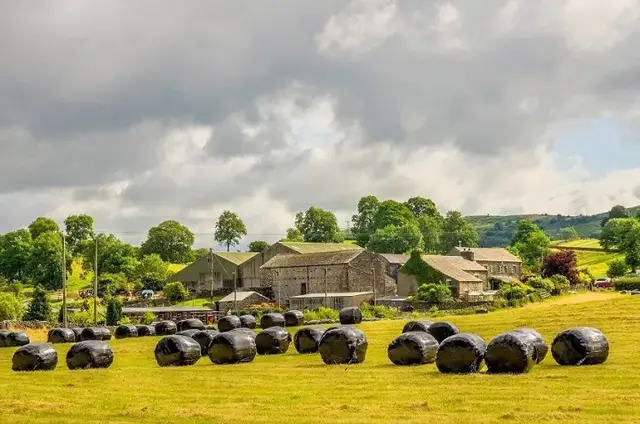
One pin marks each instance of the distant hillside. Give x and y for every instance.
(496, 230)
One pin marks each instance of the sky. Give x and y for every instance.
(139, 112)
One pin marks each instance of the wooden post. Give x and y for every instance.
(95, 284)
(373, 269)
(235, 291)
(326, 302)
(64, 280)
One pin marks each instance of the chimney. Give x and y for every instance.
(468, 255)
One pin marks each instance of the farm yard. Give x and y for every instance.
(301, 389)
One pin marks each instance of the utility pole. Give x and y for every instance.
(64, 280)
(95, 283)
(235, 291)
(326, 302)
(278, 282)
(211, 269)
(373, 270)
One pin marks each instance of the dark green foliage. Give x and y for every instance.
(392, 239)
(541, 283)
(170, 240)
(617, 268)
(229, 229)
(421, 206)
(114, 255)
(363, 221)
(433, 293)
(618, 211)
(318, 226)
(16, 248)
(258, 246)
(175, 292)
(43, 225)
(79, 228)
(516, 291)
(457, 230)
(39, 308)
(560, 284)
(45, 262)
(422, 272)
(114, 312)
(294, 235)
(627, 283)
(531, 244)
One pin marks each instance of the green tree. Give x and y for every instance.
(569, 233)
(114, 255)
(198, 253)
(39, 308)
(631, 246)
(151, 268)
(258, 246)
(229, 229)
(114, 312)
(45, 264)
(43, 225)
(319, 226)
(363, 221)
(431, 229)
(614, 232)
(618, 211)
(294, 235)
(171, 240)
(16, 248)
(78, 228)
(175, 292)
(433, 293)
(457, 230)
(393, 213)
(10, 307)
(148, 318)
(617, 268)
(531, 244)
(392, 239)
(421, 206)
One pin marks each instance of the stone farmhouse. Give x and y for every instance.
(501, 264)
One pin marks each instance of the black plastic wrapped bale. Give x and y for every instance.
(35, 357)
(126, 331)
(273, 341)
(3, 338)
(510, 353)
(61, 335)
(413, 348)
(106, 334)
(95, 333)
(293, 318)
(417, 326)
(461, 354)
(166, 328)
(351, 315)
(538, 342)
(205, 339)
(248, 321)
(187, 333)
(89, 354)
(343, 345)
(580, 346)
(442, 330)
(247, 331)
(177, 351)
(232, 347)
(307, 339)
(17, 339)
(77, 331)
(228, 323)
(272, 320)
(146, 330)
(190, 324)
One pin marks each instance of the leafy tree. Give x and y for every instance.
(431, 229)
(10, 307)
(614, 232)
(524, 228)
(175, 291)
(15, 252)
(392, 239)
(114, 255)
(43, 225)
(45, 262)
(151, 268)
(617, 268)
(229, 229)
(393, 213)
(433, 293)
(197, 253)
(562, 263)
(171, 240)
(531, 244)
(294, 235)
(114, 311)
(39, 308)
(258, 246)
(516, 291)
(541, 283)
(569, 233)
(420, 206)
(78, 228)
(618, 211)
(363, 221)
(319, 226)
(560, 283)
(110, 285)
(631, 247)
(457, 230)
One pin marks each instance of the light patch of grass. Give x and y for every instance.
(299, 389)
(199, 302)
(176, 267)
(590, 243)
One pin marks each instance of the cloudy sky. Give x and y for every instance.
(137, 112)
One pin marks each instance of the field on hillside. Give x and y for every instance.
(596, 261)
(300, 389)
(590, 243)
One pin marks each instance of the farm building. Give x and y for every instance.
(173, 313)
(242, 300)
(329, 300)
(346, 271)
(394, 263)
(499, 262)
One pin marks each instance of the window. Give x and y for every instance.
(303, 288)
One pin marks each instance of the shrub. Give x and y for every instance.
(124, 320)
(541, 283)
(175, 292)
(627, 283)
(114, 312)
(433, 293)
(560, 284)
(564, 263)
(378, 311)
(321, 313)
(39, 308)
(617, 268)
(10, 307)
(148, 317)
(585, 276)
(516, 291)
(82, 318)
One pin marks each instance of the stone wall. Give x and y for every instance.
(426, 306)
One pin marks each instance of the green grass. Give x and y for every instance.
(176, 267)
(198, 302)
(590, 243)
(300, 389)
(595, 261)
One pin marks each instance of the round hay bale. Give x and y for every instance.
(95, 333)
(77, 331)
(166, 328)
(177, 351)
(205, 339)
(510, 353)
(351, 315)
(580, 346)
(232, 347)
(442, 330)
(35, 357)
(461, 354)
(187, 333)
(248, 321)
(106, 334)
(89, 354)
(417, 326)
(307, 340)
(3, 338)
(272, 320)
(61, 335)
(273, 341)
(190, 324)
(228, 323)
(146, 330)
(17, 339)
(538, 342)
(343, 345)
(247, 331)
(413, 348)
(126, 331)
(293, 318)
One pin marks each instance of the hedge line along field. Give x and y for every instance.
(300, 389)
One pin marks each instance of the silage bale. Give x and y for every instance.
(272, 320)
(177, 351)
(190, 324)
(248, 321)
(166, 328)
(510, 353)
(187, 333)
(35, 357)
(307, 339)
(273, 341)
(246, 331)
(89, 354)
(537, 340)
(442, 330)
(146, 330)
(580, 346)
(343, 345)
(293, 318)
(17, 338)
(413, 348)
(417, 326)
(61, 335)
(461, 354)
(205, 338)
(126, 331)
(228, 323)
(76, 332)
(3, 338)
(232, 347)
(351, 315)
(95, 333)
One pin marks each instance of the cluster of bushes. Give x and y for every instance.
(378, 311)
(627, 283)
(321, 313)
(431, 293)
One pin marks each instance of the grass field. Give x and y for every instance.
(300, 389)
(596, 261)
(591, 243)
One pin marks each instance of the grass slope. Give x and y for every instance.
(596, 261)
(300, 389)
